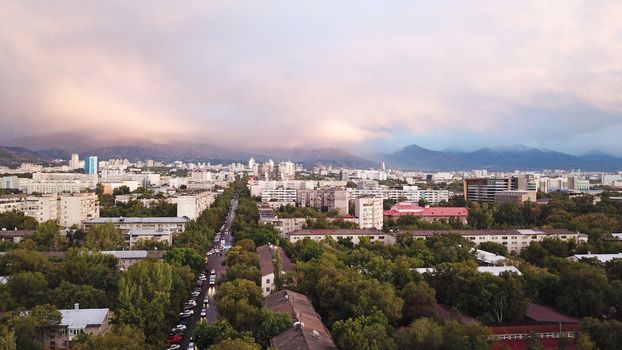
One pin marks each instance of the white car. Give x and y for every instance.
(204, 313)
(191, 346)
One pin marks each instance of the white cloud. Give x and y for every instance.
(281, 73)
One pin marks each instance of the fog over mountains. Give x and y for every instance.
(414, 157)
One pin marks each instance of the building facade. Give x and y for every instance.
(369, 213)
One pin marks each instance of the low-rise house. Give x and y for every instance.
(127, 258)
(494, 270)
(267, 263)
(603, 258)
(15, 236)
(489, 258)
(134, 236)
(428, 213)
(307, 332)
(548, 324)
(173, 224)
(76, 321)
(354, 234)
(515, 240)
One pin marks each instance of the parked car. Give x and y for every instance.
(204, 313)
(174, 339)
(174, 347)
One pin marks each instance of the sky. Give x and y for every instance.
(361, 75)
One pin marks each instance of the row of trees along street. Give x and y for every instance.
(145, 299)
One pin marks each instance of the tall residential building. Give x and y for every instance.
(485, 189)
(75, 208)
(90, 165)
(368, 211)
(74, 163)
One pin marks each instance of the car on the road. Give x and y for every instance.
(191, 346)
(204, 313)
(213, 272)
(174, 347)
(174, 339)
(180, 326)
(186, 313)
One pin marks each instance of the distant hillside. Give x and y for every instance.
(501, 159)
(14, 156)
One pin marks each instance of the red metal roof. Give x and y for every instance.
(543, 313)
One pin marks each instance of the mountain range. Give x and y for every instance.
(43, 149)
(498, 159)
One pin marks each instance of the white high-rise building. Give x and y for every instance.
(74, 163)
(368, 212)
(77, 207)
(251, 163)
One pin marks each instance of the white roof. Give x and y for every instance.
(4, 279)
(126, 254)
(600, 257)
(495, 270)
(488, 257)
(139, 220)
(80, 318)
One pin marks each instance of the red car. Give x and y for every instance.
(174, 339)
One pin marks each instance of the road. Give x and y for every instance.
(214, 262)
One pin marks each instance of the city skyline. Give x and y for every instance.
(359, 76)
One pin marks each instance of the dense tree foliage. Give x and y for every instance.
(122, 337)
(104, 237)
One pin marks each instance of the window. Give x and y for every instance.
(268, 280)
(267, 289)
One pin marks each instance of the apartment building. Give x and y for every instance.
(75, 208)
(279, 195)
(58, 183)
(133, 237)
(404, 193)
(428, 213)
(173, 224)
(193, 204)
(326, 197)
(75, 322)
(514, 240)
(68, 208)
(369, 213)
(354, 235)
(485, 189)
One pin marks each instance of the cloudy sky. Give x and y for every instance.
(358, 74)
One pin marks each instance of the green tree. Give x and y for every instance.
(7, 339)
(20, 260)
(104, 237)
(122, 337)
(239, 302)
(47, 236)
(208, 334)
(270, 324)
(481, 215)
(144, 296)
(185, 256)
(606, 334)
(424, 334)
(584, 342)
(583, 290)
(364, 332)
(66, 295)
(236, 344)
(419, 300)
(28, 288)
(494, 247)
(534, 342)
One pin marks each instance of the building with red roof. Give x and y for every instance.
(427, 213)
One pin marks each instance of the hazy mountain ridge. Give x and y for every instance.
(501, 159)
(62, 145)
